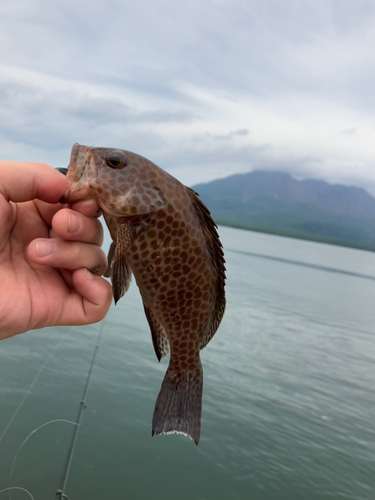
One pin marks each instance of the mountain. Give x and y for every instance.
(275, 202)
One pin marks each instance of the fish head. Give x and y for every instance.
(124, 183)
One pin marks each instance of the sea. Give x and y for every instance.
(289, 390)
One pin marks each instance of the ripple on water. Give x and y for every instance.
(288, 410)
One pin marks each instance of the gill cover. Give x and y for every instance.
(125, 183)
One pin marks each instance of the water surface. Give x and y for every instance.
(288, 406)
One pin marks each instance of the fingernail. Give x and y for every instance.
(43, 248)
(95, 269)
(74, 223)
(88, 275)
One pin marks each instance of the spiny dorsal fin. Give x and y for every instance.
(159, 338)
(215, 251)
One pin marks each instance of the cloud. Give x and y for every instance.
(204, 88)
(53, 114)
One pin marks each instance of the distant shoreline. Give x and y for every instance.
(274, 202)
(298, 236)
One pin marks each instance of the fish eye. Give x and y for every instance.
(116, 160)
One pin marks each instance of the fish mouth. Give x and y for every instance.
(79, 193)
(79, 161)
(80, 172)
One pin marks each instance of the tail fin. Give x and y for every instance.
(178, 408)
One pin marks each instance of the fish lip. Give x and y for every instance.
(91, 162)
(87, 153)
(80, 190)
(73, 154)
(80, 193)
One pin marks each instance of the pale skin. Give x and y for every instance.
(64, 287)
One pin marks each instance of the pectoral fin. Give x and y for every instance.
(110, 258)
(119, 269)
(121, 278)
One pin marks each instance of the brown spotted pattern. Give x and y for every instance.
(175, 254)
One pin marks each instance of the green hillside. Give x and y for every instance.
(274, 202)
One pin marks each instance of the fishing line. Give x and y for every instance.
(65, 473)
(25, 441)
(77, 423)
(30, 389)
(18, 488)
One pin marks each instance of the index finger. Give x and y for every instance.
(23, 181)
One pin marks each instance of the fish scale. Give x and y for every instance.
(165, 236)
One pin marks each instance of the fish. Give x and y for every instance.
(164, 235)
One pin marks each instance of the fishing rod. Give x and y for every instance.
(64, 476)
(60, 495)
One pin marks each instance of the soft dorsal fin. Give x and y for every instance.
(159, 338)
(215, 251)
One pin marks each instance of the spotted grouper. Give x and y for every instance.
(165, 236)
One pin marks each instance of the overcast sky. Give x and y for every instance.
(204, 88)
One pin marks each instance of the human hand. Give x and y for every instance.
(56, 289)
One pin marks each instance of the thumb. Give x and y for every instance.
(21, 181)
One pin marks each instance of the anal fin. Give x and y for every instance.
(159, 337)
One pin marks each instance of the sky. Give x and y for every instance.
(204, 88)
